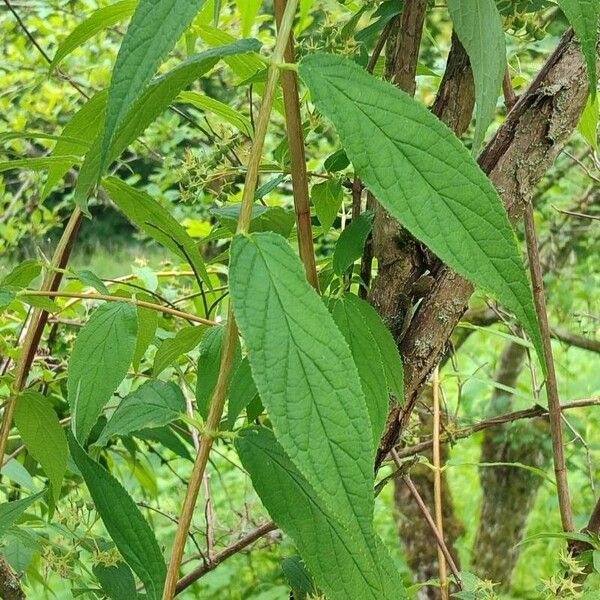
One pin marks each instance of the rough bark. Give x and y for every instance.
(516, 158)
(10, 586)
(508, 492)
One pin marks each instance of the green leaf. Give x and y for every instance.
(99, 362)
(155, 27)
(11, 511)
(368, 362)
(588, 124)
(153, 404)
(167, 438)
(40, 302)
(154, 101)
(38, 163)
(99, 20)
(298, 577)
(421, 173)
(6, 297)
(337, 161)
(86, 123)
(92, 280)
(171, 349)
(147, 323)
(479, 28)
(345, 562)
(209, 365)
(249, 11)
(264, 218)
(208, 104)
(304, 374)
(583, 16)
(23, 274)
(327, 198)
(155, 220)
(43, 436)
(125, 524)
(242, 390)
(117, 581)
(352, 240)
(390, 356)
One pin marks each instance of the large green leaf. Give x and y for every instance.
(98, 21)
(479, 28)
(124, 522)
(155, 27)
(43, 436)
(583, 16)
(100, 359)
(153, 404)
(11, 511)
(421, 173)
(171, 349)
(368, 361)
(304, 374)
(155, 100)
(344, 561)
(86, 124)
(155, 220)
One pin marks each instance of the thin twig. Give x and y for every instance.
(143, 303)
(427, 515)
(241, 544)
(437, 481)
(510, 98)
(554, 410)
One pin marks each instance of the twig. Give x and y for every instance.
(576, 214)
(143, 303)
(293, 119)
(250, 538)
(437, 481)
(554, 410)
(510, 98)
(217, 402)
(529, 413)
(427, 515)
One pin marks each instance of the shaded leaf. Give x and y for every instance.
(242, 390)
(349, 247)
(327, 198)
(117, 581)
(171, 349)
(11, 511)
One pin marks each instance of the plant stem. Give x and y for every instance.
(231, 332)
(437, 481)
(36, 326)
(143, 303)
(554, 409)
(291, 99)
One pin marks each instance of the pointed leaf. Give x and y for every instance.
(147, 324)
(479, 28)
(344, 561)
(327, 198)
(154, 30)
(99, 362)
(124, 522)
(242, 391)
(98, 21)
(154, 101)
(421, 173)
(153, 404)
(155, 220)
(11, 511)
(43, 436)
(304, 374)
(23, 274)
(171, 349)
